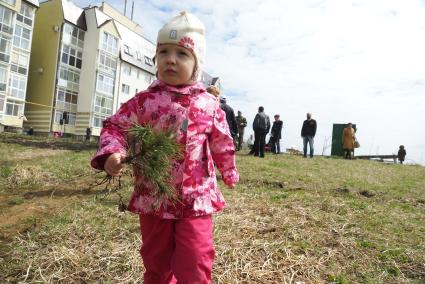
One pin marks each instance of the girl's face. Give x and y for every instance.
(175, 64)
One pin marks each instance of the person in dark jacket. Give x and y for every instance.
(241, 121)
(401, 155)
(261, 126)
(276, 134)
(230, 118)
(308, 131)
(88, 133)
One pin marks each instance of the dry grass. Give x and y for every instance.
(77, 249)
(290, 220)
(21, 174)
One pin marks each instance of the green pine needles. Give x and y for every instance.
(151, 152)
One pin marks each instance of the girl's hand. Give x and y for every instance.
(113, 164)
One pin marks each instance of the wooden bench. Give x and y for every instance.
(378, 157)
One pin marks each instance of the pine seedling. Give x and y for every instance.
(152, 152)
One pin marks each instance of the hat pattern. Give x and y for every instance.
(187, 42)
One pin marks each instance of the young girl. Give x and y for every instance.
(177, 237)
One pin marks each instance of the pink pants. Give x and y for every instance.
(177, 251)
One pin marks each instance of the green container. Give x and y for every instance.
(336, 149)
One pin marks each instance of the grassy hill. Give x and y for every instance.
(290, 219)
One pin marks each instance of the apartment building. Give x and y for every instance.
(92, 60)
(137, 70)
(16, 31)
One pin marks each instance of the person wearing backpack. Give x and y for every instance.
(261, 126)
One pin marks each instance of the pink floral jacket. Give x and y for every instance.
(201, 129)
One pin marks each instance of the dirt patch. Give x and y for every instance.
(263, 183)
(19, 212)
(22, 217)
(342, 190)
(367, 193)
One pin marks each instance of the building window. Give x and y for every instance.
(21, 38)
(10, 2)
(4, 48)
(138, 56)
(2, 100)
(126, 70)
(110, 43)
(19, 63)
(98, 120)
(71, 56)
(73, 35)
(6, 20)
(107, 63)
(105, 84)
(148, 61)
(103, 104)
(69, 78)
(148, 78)
(3, 79)
(66, 100)
(17, 86)
(14, 108)
(125, 89)
(26, 15)
(59, 116)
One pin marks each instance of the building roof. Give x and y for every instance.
(34, 2)
(101, 17)
(74, 14)
(134, 47)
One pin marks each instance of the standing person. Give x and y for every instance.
(401, 154)
(308, 131)
(276, 134)
(88, 133)
(261, 126)
(230, 118)
(241, 121)
(348, 138)
(177, 237)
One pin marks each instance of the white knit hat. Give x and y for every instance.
(188, 31)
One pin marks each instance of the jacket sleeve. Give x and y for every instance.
(302, 129)
(255, 123)
(223, 149)
(234, 123)
(113, 138)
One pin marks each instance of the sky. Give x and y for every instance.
(360, 61)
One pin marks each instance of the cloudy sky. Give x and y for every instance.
(361, 61)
